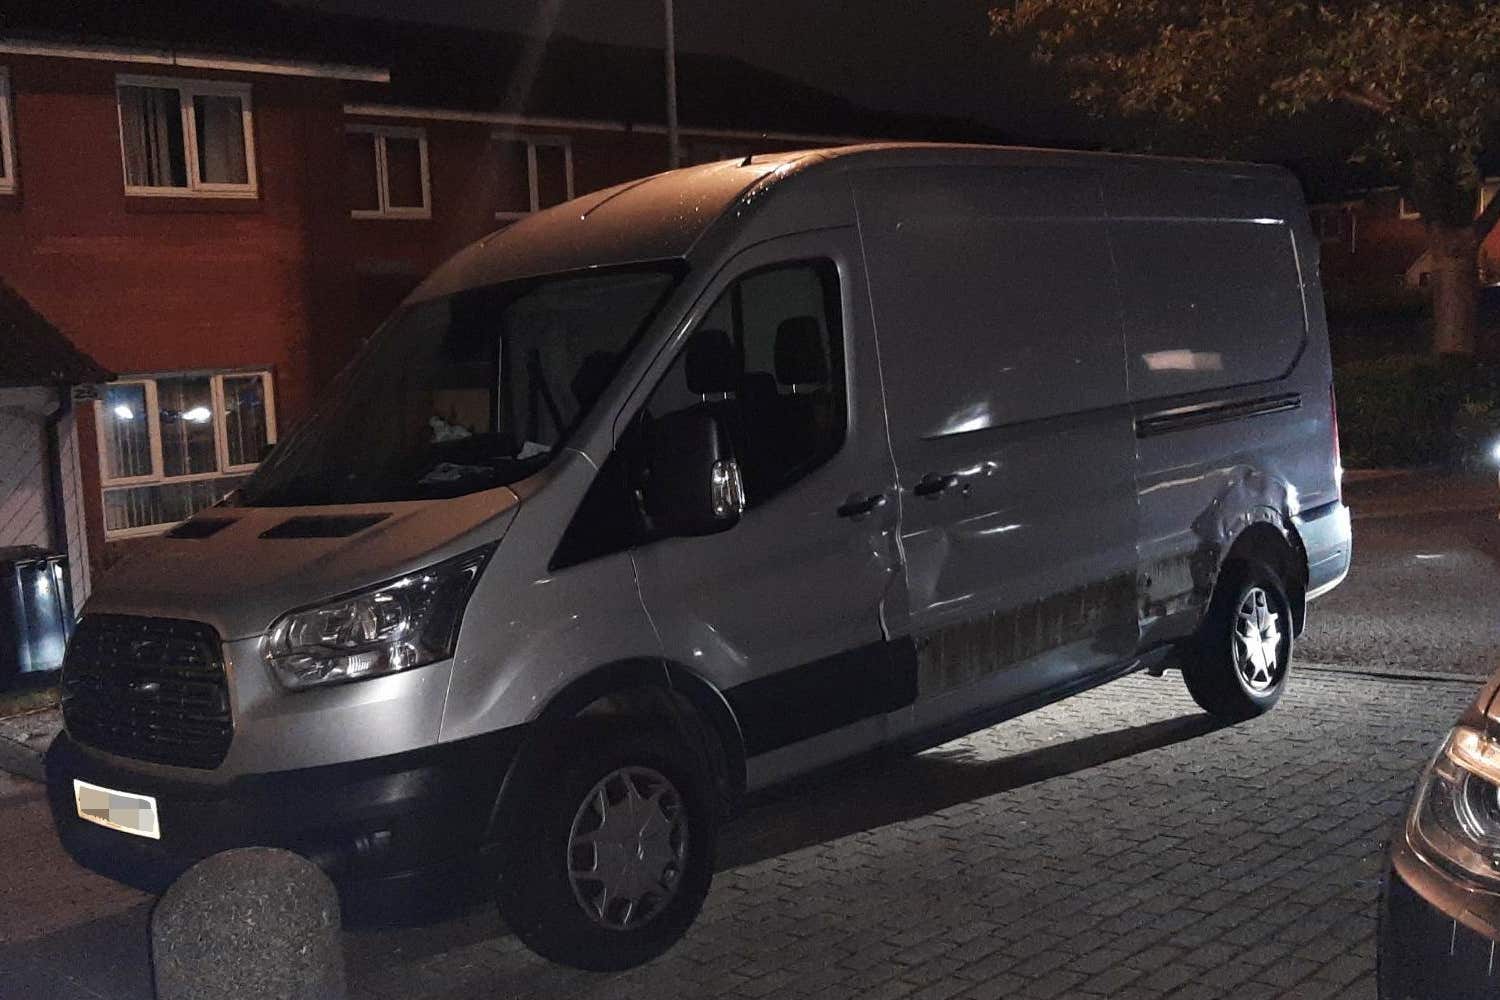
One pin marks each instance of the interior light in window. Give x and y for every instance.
(124, 412)
(197, 414)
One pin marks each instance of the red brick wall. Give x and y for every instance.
(157, 284)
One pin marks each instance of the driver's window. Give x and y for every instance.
(768, 361)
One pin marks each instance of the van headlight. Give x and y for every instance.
(391, 626)
(1457, 814)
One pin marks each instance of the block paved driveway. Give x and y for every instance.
(1119, 844)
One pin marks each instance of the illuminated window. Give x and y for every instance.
(170, 445)
(186, 138)
(386, 173)
(534, 172)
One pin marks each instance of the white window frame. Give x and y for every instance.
(1487, 192)
(378, 135)
(532, 142)
(7, 135)
(153, 418)
(187, 90)
(1404, 212)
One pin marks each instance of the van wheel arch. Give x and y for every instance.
(647, 689)
(1271, 541)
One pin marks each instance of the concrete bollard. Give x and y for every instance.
(251, 924)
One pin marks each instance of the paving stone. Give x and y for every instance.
(1114, 845)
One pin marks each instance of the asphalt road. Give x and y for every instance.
(1424, 590)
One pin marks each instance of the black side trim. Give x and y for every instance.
(323, 526)
(200, 527)
(1181, 418)
(983, 718)
(825, 694)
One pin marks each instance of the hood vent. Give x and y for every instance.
(324, 526)
(200, 527)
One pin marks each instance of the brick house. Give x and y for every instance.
(219, 201)
(1374, 244)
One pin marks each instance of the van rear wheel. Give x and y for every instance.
(1237, 665)
(607, 847)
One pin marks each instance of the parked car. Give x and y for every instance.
(1440, 907)
(699, 483)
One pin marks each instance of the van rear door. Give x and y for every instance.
(996, 314)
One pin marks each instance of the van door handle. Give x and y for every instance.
(858, 506)
(932, 484)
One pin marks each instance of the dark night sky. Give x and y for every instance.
(932, 56)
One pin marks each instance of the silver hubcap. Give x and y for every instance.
(627, 848)
(1257, 641)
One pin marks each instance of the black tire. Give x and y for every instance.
(1211, 665)
(553, 789)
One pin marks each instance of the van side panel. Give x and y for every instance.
(1229, 379)
(999, 335)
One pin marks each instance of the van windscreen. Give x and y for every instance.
(464, 393)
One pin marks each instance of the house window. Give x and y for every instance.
(7, 138)
(1406, 210)
(386, 172)
(535, 172)
(1327, 223)
(170, 445)
(186, 138)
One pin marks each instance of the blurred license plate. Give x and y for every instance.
(117, 810)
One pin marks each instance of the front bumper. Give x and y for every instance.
(399, 835)
(1439, 937)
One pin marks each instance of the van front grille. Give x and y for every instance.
(149, 688)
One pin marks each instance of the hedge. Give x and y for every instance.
(1408, 410)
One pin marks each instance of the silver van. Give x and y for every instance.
(705, 481)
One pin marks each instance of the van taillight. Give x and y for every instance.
(1338, 458)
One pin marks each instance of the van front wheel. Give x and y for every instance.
(608, 847)
(1236, 667)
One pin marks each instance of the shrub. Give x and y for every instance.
(1407, 410)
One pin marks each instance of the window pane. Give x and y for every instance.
(245, 418)
(359, 172)
(187, 425)
(768, 363)
(127, 431)
(551, 175)
(151, 131)
(513, 189)
(143, 506)
(403, 172)
(221, 139)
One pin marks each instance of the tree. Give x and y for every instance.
(1421, 78)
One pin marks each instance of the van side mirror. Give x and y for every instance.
(694, 486)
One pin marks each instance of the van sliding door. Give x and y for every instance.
(995, 309)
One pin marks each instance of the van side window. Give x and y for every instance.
(768, 361)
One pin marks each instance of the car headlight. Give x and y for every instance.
(1457, 814)
(391, 626)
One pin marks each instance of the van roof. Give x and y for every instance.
(663, 216)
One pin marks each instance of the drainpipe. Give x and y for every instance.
(58, 508)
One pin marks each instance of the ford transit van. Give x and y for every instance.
(690, 486)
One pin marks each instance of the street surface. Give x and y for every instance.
(1424, 592)
(1118, 844)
